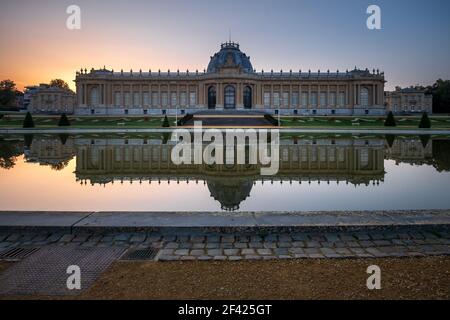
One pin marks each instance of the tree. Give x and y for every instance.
(390, 120)
(7, 93)
(425, 122)
(28, 121)
(63, 121)
(166, 123)
(59, 83)
(441, 96)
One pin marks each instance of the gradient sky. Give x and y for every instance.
(413, 46)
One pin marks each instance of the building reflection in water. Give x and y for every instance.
(349, 160)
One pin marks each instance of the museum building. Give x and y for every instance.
(229, 83)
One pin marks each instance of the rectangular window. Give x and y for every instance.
(304, 99)
(183, 99)
(341, 99)
(164, 99)
(155, 99)
(285, 99)
(294, 99)
(136, 99)
(117, 99)
(145, 99)
(323, 99)
(127, 99)
(173, 99)
(192, 98)
(276, 99)
(313, 99)
(267, 99)
(332, 98)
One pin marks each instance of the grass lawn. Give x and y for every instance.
(46, 122)
(360, 122)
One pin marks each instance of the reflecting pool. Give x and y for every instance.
(135, 173)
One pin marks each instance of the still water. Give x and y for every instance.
(135, 173)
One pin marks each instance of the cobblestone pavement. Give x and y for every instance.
(233, 247)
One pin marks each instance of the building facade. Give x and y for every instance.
(409, 101)
(49, 100)
(230, 83)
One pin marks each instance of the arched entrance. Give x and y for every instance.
(230, 97)
(211, 97)
(247, 97)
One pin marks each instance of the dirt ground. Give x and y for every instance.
(406, 278)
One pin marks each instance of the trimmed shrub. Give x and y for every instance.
(425, 122)
(166, 123)
(63, 121)
(28, 121)
(390, 120)
(390, 138)
(185, 119)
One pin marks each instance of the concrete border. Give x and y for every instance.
(99, 222)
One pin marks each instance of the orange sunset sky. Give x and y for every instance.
(36, 46)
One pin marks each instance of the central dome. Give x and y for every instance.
(230, 56)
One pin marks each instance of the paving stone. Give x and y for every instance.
(122, 237)
(55, 237)
(227, 239)
(366, 243)
(240, 245)
(317, 237)
(332, 237)
(226, 245)
(212, 245)
(172, 245)
(316, 256)
(231, 252)
(311, 250)
(285, 238)
(300, 237)
(375, 252)
(205, 258)
(248, 251)
(181, 238)
(271, 238)
(214, 252)
(252, 257)
(243, 239)
(377, 236)
(300, 255)
(169, 258)
(343, 251)
(234, 258)
(153, 238)
(264, 252)
(138, 238)
(169, 238)
(298, 244)
(352, 244)
(284, 244)
(281, 251)
(167, 252)
(219, 258)
(197, 245)
(313, 244)
(81, 237)
(284, 256)
(187, 258)
(181, 252)
(269, 257)
(197, 252)
(362, 236)
(197, 239)
(212, 238)
(256, 239)
(269, 245)
(297, 250)
(255, 245)
(185, 245)
(382, 242)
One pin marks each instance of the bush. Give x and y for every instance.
(185, 119)
(390, 120)
(166, 123)
(28, 121)
(425, 122)
(63, 121)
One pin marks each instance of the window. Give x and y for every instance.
(173, 99)
(127, 99)
(192, 98)
(304, 99)
(94, 97)
(313, 99)
(341, 101)
(247, 97)
(230, 97)
(285, 99)
(136, 99)
(332, 97)
(295, 111)
(145, 111)
(155, 99)
(183, 99)
(276, 99)
(364, 97)
(333, 111)
(145, 99)
(294, 99)
(267, 99)
(164, 99)
(323, 99)
(117, 99)
(126, 111)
